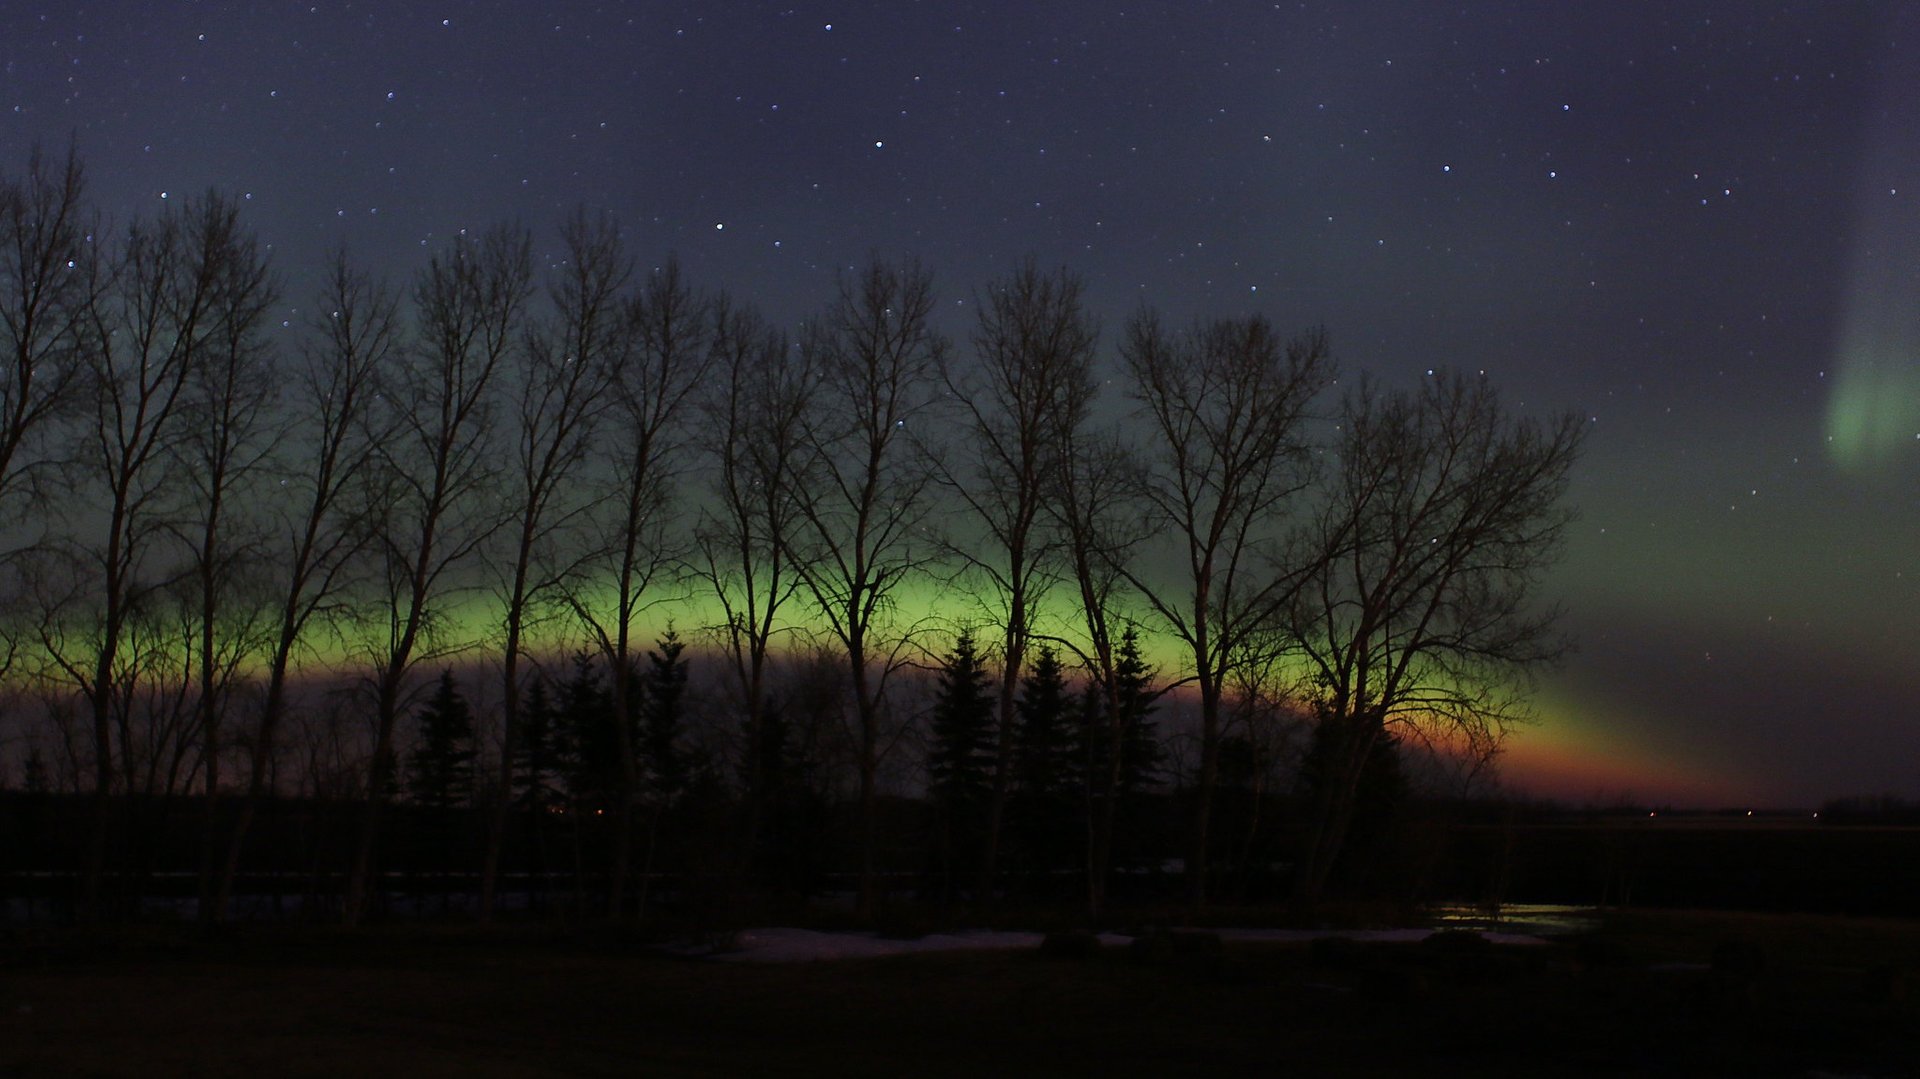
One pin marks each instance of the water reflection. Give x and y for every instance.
(1536, 919)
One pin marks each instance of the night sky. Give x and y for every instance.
(1699, 224)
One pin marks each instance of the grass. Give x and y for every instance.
(1794, 996)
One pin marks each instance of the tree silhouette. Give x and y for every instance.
(1033, 345)
(662, 688)
(327, 435)
(440, 768)
(435, 506)
(653, 380)
(1049, 766)
(557, 393)
(745, 540)
(49, 277)
(1419, 616)
(863, 492)
(536, 760)
(1119, 767)
(537, 755)
(960, 763)
(151, 321)
(1225, 405)
(589, 744)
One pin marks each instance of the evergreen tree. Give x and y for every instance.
(34, 773)
(1141, 754)
(791, 842)
(959, 766)
(1137, 735)
(958, 761)
(1379, 792)
(589, 741)
(536, 754)
(662, 687)
(1047, 770)
(537, 761)
(440, 769)
(1047, 762)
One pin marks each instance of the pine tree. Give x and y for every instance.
(958, 761)
(440, 769)
(1047, 770)
(536, 754)
(1141, 754)
(1379, 791)
(662, 687)
(589, 747)
(1118, 790)
(1047, 764)
(959, 766)
(34, 773)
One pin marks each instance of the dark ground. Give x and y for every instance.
(1648, 993)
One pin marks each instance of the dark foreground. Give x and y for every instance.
(1674, 994)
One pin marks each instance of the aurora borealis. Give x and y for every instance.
(1696, 222)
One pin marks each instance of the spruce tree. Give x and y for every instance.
(34, 773)
(537, 761)
(1048, 767)
(959, 766)
(1141, 754)
(536, 754)
(440, 769)
(958, 761)
(590, 743)
(1047, 764)
(662, 687)
(1137, 735)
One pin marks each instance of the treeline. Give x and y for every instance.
(245, 557)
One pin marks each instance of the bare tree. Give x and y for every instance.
(558, 393)
(1440, 517)
(143, 339)
(1224, 404)
(753, 432)
(652, 379)
(225, 440)
(329, 440)
(1034, 350)
(437, 506)
(863, 492)
(1090, 509)
(48, 273)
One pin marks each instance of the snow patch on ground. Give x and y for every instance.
(786, 945)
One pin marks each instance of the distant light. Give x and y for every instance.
(877, 144)
(719, 226)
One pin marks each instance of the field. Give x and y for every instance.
(1645, 993)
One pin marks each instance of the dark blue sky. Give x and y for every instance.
(1693, 222)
